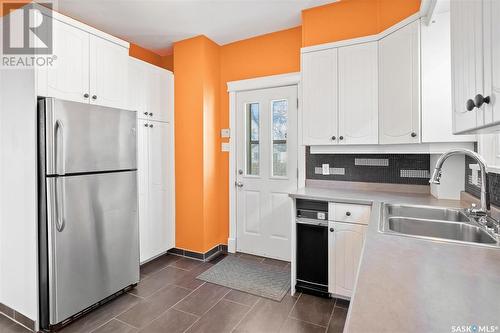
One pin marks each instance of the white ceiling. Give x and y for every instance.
(156, 24)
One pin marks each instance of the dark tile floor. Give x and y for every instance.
(170, 299)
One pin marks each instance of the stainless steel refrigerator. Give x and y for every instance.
(88, 221)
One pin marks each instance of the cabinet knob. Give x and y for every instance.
(151, 114)
(348, 213)
(332, 230)
(470, 105)
(479, 100)
(145, 124)
(145, 113)
(151, 126)
(413, 134)
(94, 97)
(334, 138)
(85, 95)
(341, 137)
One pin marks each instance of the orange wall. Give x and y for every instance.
(151, 57)
(353, 18)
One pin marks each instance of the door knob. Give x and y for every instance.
(470, 105)
(479, 100)
(239, 184)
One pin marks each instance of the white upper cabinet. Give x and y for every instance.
(108, 73)
(399, 86)
(69, 78)
(87, 67)
(319, 97)
(467, 63)
(475, 50)
(136, 95)
(437, 112)
(358, 94)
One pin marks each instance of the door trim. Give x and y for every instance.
(264, 82)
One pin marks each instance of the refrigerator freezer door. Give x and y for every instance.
(92, 239)
(83, 138)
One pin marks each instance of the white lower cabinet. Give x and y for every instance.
(345, 244)
(155, 188)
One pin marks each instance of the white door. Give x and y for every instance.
(160, 188)
(108, 73)
(319, 97)
(266, 148)
(358, 94)
(466, 62)
(345, 246)
(143, 189)
(491, 14)
(69, 78)
(399, 86)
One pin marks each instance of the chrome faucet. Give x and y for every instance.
(484, 201)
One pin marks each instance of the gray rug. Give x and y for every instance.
(255, 278)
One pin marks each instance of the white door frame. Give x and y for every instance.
(233, 87)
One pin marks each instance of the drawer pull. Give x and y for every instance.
(348, 213)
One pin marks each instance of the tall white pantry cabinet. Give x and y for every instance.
(151, 93)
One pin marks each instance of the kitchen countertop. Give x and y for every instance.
(408, 284)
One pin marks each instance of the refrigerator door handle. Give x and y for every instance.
(59, 204)
(59, 148)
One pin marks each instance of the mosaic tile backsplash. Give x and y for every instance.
(475, 190)
(373, 168)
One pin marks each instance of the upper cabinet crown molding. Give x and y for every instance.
(82, 26)
(364, 39)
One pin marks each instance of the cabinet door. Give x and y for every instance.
(108, 73)
(466, 62)
(160, 187)
(358, 94)
(319, 97)
(68, 79)
(136, 95)
(145, 229)
(399, 82)
(491, 21)
(160, 94)
(345, 246)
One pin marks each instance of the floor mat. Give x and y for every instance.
(252, 277)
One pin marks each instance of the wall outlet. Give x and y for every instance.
(475, 174)
(225, 133)
(325, 169)
(225, 146)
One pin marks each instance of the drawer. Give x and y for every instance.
(352, 213)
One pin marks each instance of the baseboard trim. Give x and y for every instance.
(231, 245)
(17, 317)
(202, 256)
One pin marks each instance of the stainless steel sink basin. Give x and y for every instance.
(440, 229)
(437, 223)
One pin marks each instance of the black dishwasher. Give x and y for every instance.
(312, 247)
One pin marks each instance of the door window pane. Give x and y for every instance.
(279, 135)
(253, 144)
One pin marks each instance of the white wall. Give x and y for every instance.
(453, 177)
(18, 207)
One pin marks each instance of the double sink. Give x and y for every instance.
(437, 223)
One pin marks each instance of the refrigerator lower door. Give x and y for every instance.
(84, 138)
(92, 239)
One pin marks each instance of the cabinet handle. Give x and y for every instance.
(151, 126)
(85, 95)
(332, 230)
(413, 134)
(479, 100)
(94, 97)
(348, 213)
(470, 105)
(145, 124)
(334, 138)
(341, 137)
(145, 113)
(151, 114)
